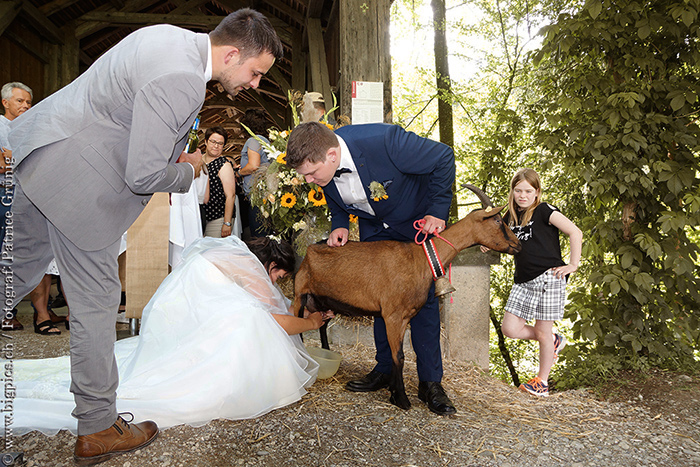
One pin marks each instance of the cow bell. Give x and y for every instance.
(443, 286)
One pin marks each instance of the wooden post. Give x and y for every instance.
(364, 49)
(70, 56)
(317, 61)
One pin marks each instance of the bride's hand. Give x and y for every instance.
(316, 320)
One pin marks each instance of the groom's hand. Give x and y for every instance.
(338, 237)
(433, 225)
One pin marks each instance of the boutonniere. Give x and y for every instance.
(378, 190)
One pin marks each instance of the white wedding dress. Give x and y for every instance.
(209, 348)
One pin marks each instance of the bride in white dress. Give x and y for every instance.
(215, 343)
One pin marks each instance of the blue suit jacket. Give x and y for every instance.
(416, 172)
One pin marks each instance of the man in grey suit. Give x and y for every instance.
(88, 159)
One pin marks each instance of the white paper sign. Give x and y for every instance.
(367, 102)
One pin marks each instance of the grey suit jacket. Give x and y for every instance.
(91, 155)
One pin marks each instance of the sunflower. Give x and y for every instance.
(328, 125)
(288, 200)
(353, 218)
(317, 197)
(281, 159)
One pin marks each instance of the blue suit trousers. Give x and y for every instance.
(425, 331)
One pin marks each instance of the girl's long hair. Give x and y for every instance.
(531, 177)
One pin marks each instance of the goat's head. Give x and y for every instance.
(493, 232)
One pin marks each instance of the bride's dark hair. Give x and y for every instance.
(268, 251)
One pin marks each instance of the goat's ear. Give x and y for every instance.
(491, 211)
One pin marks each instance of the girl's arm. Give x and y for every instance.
(560, 221)
(294, 325)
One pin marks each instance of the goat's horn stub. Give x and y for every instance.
(483, 197)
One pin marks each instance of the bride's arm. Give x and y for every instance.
(294, 325)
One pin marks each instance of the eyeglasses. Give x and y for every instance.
(216, 143)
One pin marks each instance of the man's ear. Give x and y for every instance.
(333, 154)
(232, 53)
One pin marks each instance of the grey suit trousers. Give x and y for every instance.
(92, 289)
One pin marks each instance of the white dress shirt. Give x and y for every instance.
(349, 184)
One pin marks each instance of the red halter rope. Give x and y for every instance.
(435, 262)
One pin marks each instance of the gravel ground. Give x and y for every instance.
(496, 425)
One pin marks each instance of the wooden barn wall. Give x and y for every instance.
(22, 58)
(364, 49)
(332, 43)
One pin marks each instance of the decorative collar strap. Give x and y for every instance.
(433, 259)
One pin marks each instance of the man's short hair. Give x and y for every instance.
(6, 91)
(250, 32)
(309, 142)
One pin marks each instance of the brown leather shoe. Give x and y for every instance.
(118, 439)
(12, 325)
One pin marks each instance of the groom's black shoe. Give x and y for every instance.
(433, 394)
(371, 382)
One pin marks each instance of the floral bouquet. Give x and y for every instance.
(295, 210)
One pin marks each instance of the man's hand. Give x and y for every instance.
(5, 160)
(195, 159)
(433, 225)
(338, 237)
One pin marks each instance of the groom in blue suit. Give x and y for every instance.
(388, 178)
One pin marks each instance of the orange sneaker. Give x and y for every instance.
(536, 387)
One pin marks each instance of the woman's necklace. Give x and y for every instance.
(205, 159)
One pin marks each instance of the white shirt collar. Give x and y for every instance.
(345, 157)
(209, 69)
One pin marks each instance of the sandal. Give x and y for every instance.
(45, 327)
(55, 319)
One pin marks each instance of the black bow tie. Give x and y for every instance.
(342, 171)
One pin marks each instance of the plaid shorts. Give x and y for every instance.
(542, 298)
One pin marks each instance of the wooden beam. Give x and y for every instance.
(91, 27)
(298, 64)
(285, 9)
(186, 7)
(332, 19)
(143, 19)
(279, 78)
(314, 9)
(45, 27)
(85, 58)
(56, 6)
(70, 56)
(320, 81)
(38, 54)
(127, 18)
(51, 78)
(279, 121)
(284, 30)
(8, 13)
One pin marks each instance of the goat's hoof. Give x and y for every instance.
(401, 402)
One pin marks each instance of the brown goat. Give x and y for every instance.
(391, 279)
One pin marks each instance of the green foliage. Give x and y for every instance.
(618, 107)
